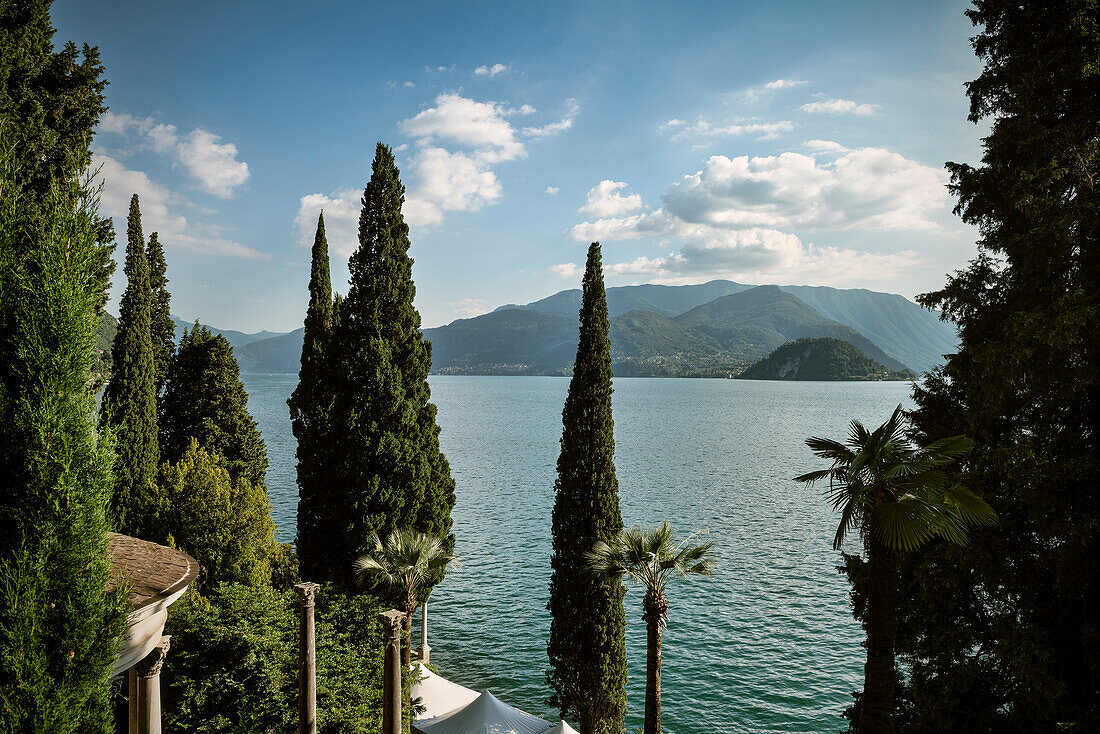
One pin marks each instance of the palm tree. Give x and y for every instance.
(898, 496)
(404, 562)
(651, 558)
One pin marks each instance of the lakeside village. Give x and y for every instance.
(136, 530)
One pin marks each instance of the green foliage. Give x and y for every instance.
(899, 497)
(386, 469)
(588, 625)
(129, 401)
(1005, 636)
(205, 400)
(820, 359)
(162, 329)
(224, 523)
(59, 631)
(50, 102)
(234, 662)
(311, 411)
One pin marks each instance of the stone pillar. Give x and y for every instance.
(424, 650)
(132, 677)
(307, 660)
(148, 688)
(391, 673)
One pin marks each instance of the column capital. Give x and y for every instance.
(391, 623)
(150, 665)
(306, 591)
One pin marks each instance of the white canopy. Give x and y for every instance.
(438, 695)
(562, 728)
(485, 715)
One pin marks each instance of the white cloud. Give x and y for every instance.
(341, 219)
(468, 307)
(754, 94)
(492, 70)
(566, 270)
(701, 128)
(650, 224)
(868, 188)
(554, 128)
(446, 181)
(468, 123)
(214, 165)
(409, 85)
(157, 211)
(839, 107)
(552, 190)
(825, 146)
(606, 199)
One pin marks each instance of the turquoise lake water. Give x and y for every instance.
(766, 645)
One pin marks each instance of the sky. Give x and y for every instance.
(782, 142)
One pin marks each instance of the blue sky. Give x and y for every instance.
(789, 143)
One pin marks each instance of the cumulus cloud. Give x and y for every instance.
(212, 164)
(341, 210)
(493, 70)
(606, 199)
(825, 146)
(566, 270)
(785, 83)
(754, 94)
(839, 107)
(468, 123)
(159, 211)
(552, 190)
(469, 307)
(868, 188)
(444, 181)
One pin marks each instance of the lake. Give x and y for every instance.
(767, 644)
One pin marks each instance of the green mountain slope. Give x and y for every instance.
(510, 342)
(280, 353)
(820, 359)
(753, 323)
(667, 300)
(235, 338)
(904, 330)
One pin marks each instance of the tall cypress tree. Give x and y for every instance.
(205, 400)
(129, 401)
(310, 408)
(386, 469)
(1004, 637)
(59, 631)
(588, 626)
(162, 330)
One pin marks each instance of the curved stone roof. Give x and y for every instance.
(153, 572)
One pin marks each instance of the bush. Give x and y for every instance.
(226, 525)
(233, 666)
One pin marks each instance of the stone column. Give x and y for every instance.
(391, 673)
(148, 688)
(132, 678)
(424, 650)
(307, 660)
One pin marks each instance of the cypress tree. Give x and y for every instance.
(1003, 637)
(162, 330)
(59, 630)
(205, 400)
(386, 470)
(310, 409)
(588, 625)
(129, 400)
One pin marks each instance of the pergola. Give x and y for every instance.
(155, 577)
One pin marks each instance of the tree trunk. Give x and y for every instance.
(406, 631)
(877, 703)
(656, 611)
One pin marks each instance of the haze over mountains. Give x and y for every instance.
(712, 329)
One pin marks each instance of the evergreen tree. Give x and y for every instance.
(1004, 636)
(310, 410)
(129, 401)
(205, 400)
(588, 626)
(50, 103)
(162, 330)
(224, 523)
(386, 469)
(59, 631)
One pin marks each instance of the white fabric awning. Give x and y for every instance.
(562, 728)
(438, 695)
(484, 715)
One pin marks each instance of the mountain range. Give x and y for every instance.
(711, 329)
